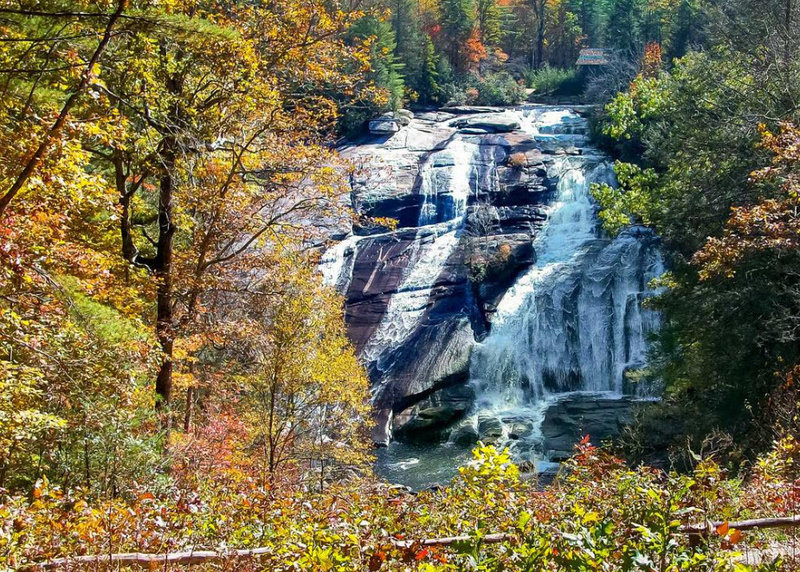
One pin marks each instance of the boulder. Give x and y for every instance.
(465, 435)
(428, 425)
(499, 123)
(569, 419)
(490, 429)
(386, 124)
(520, 428)
(403, 116)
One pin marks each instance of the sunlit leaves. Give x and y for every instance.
(631, 202)
(770, 226)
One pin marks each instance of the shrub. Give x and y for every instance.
(498, 89)
(554, 81)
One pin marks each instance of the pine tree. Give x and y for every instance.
(624, 26)
(386, 70)
(488, 16)
(458, 20)
(428, 88)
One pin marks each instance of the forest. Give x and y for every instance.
(178, 386)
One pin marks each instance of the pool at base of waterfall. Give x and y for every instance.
(561, 422)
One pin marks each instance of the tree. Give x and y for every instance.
(428, 86)
(193, 154)
(457, 22)
(624, 26)
(385, 70)
(32, 159)
(540, 13)
(488, 19)
(564, 35)
(305, 394)
(213, 163)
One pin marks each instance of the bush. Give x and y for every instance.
(498, 89)
(554, 81)
(599, 515)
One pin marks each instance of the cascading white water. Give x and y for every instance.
(574, 321)
(336, 264)
(445, 189)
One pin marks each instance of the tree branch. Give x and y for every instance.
(86, 78)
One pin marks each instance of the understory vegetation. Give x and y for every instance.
(598, 515)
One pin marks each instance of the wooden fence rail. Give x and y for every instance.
(207, 556)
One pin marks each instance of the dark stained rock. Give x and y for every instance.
(465, 435)
(490, 429)
(568, 420)
(494, 123)
(430, 424)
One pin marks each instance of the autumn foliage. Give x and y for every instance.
(773, 225)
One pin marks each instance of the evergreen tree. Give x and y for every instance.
(488, 18)
(410, 42)
(386, 71)
(587, 13)
(458, 20)
(428, 86)
(624, 26)
(688, 30)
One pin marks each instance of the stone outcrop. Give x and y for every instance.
(497, 123)
(568, 420)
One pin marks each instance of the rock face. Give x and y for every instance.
(568, 420)
(470, 189)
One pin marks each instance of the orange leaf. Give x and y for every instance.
(722, 529)
(735, 536)
(421, 554)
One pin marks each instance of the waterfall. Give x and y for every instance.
(445, 184)
(336, 264)
(445, 188)
(574, 321)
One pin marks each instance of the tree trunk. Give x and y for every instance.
(187, 416)
(540, 12)
(165, 330)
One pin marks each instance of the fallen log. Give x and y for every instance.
(752, 524)
(146, 560)
(488, 539)
(205, 556)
